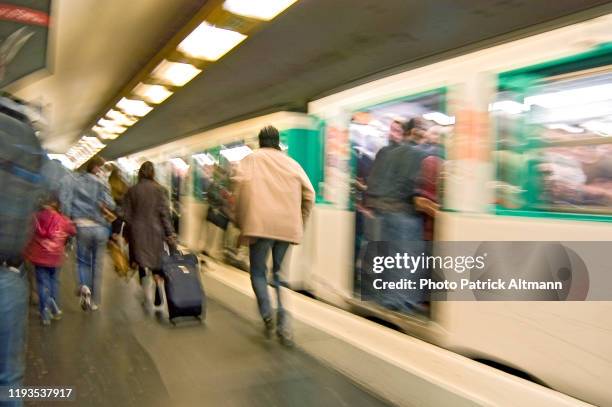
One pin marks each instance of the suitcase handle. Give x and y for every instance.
(172, 250)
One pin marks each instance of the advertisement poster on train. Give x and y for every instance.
(337, 165)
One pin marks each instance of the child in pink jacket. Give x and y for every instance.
(46, 252)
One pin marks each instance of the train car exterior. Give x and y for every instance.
(564, 345)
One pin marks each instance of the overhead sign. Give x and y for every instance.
(24, 27)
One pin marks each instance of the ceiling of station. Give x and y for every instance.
(95, 48)
(312, 48)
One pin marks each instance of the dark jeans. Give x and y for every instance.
(91, 249)
(403, 233)
(258, 256)
(13, 325)
(47, 284)
(394, 227)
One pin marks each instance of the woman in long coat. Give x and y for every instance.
(147, 212)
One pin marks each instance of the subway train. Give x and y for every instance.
(525, 130)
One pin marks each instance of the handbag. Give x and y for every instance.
(217, 218)
(119, 258)
(118, 251)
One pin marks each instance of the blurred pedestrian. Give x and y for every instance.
(86, 199)
(118, 189)
(147, 213)
(391, 183)
(378, 176)
(428, 201)
(415, 131)
(431, 142)
(391, 188)
(46, 252)
(274, 198)
(22, 180)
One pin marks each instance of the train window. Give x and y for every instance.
(370, 130)
(554, 140)
(203, 165)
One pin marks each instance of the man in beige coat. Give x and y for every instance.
(273, 199)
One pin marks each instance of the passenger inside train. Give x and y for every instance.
(309, 203)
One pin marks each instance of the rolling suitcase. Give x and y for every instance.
(184, 294)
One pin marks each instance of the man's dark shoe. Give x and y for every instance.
(285, 338)
(269, 328)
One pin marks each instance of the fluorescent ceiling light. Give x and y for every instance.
(134, 107)
(120, 118)
(115, 129)
(261, 10)
(152, 93)
(99, 130)
(87, 140)
(439, 118)
(108, 126)
(87, 150)
(508, 106)
(104, 133)
(565, 127)
(175, 73)
(209, 42)
(92, 142)
(236, 153)
(108, 136)
(572, 97)
(105, 122)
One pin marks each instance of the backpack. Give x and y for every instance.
(21, 161)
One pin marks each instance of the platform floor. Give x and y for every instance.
(117, 356)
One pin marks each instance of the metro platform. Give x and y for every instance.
(118, 356)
